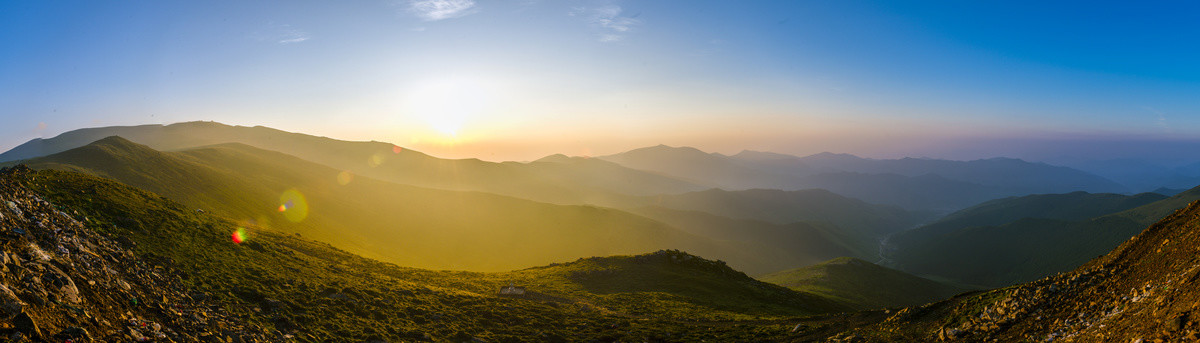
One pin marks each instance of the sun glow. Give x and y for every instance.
(448, 104)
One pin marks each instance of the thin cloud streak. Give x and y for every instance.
(434, 10)
(282, 34)
(613, 26)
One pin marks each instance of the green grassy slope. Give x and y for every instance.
(862, 283)
(402, 224)
(321, 294)
(652, 284)
(984, 245)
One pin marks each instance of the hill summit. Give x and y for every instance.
(862, 283)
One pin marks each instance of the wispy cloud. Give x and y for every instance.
(433, 10)
(281, 34)
(609, 20)
(296, 37)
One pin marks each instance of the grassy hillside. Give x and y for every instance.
(984, 245)
(655, 284)
(320, 294)
(406, 225)
(402, 224)
(863, 284)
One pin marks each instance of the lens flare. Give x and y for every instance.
(375, 160)
(239, 235)
(293, 205)
(396, 149)
(345, 177)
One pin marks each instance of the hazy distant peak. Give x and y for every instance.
(762, 155)
(663, 150)
(1006, 159)
(664, 147)
(830, 155)
(558, 158)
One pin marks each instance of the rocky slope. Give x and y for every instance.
(64, 282)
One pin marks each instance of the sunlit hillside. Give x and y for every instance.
(313, 292)
(407, 225)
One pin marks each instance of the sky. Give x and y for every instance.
(521, 79)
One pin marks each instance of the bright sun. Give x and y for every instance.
(448, 104)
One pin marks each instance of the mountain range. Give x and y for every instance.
(915, 184)
(434, 228)
(204, 231)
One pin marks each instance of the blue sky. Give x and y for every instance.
(515, 80)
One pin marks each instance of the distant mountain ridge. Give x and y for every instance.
(566, 181)
(939, 186)
(912, 183)
(1001, 172)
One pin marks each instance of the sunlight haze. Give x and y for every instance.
(521, 80)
